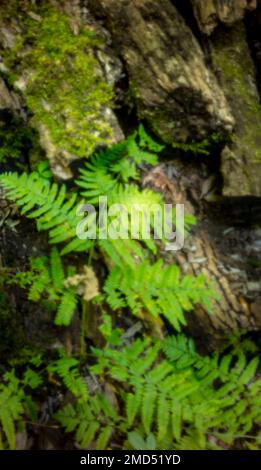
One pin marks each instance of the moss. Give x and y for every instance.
(63, 85)
(234, 63)
(203, 147)
(156, 120)
(241, 160)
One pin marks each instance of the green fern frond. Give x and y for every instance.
(66, 309)
(137, 442)
(48, 204)
(56, 269)
(126, 169)
(96, 183)
(32, 378)
(93, 420)
(46, 282)
(194, 441)
(131, 196)
(110, 170)
(11, 407)
(181, 350)
(104, 437)
(164, 414)
(122, 252)
(67, 369)
(148, 406)
(133, 404)
(40, 281)
(157, 289)
(179, 397)
(146, 141)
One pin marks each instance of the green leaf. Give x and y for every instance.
(249, 372)
(163, 416)
(104, 438)
(136, 440)
(176, 420)
(133, 403)
(66, 309)
(148, 407)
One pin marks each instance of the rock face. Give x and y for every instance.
(223, 253)
(180, 93)
(103, 126)
(241, 159)
(211, 12)
(173, 89)
(9, 100)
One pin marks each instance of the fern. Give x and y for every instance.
(137, 442)
(11, 407)
(91, 417)
(145, 141)
(15, 403)
(106, 174)
(111, 173)
(155, 400)
(122, 252)
(158, 290)
(49, 205)
(92, 421)
(97, 177)
(108, 171)
(184, 404)
(46, 282)
(56, 270)
(67, 369)
(39, 278)
(66, 308)
(32, 379)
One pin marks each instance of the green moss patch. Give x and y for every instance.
(61, 80)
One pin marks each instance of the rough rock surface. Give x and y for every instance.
(14, 102)
(241, 159)
(210, 12)
(172, 87)
(227, 254)
(8, 99)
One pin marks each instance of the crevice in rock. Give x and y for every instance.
(125, 108)
(253, 29)
(18, 141)
(184, 7)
